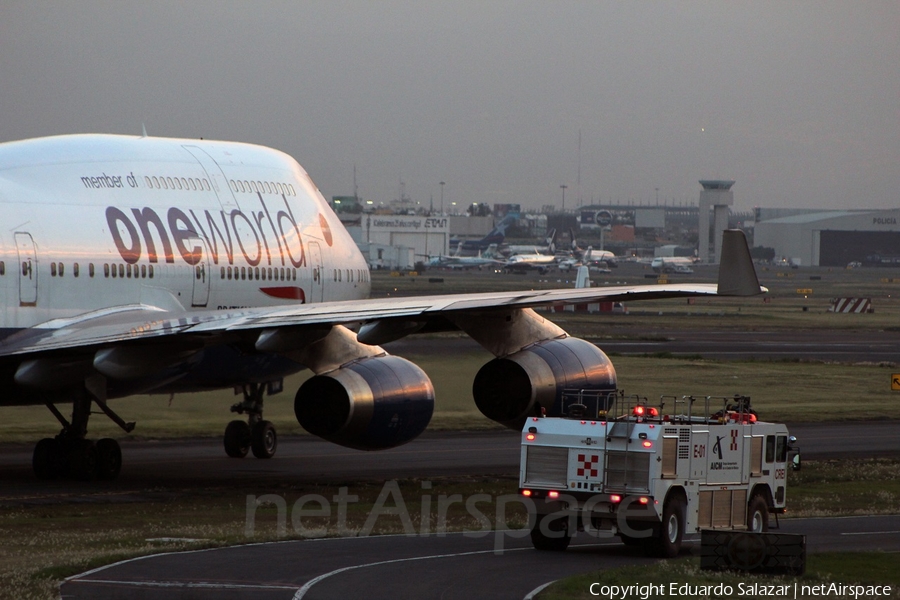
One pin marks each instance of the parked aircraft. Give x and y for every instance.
(521, 263)
(549, 247)
(599, 260)
(457, 261)
(146, 265)
(495, 237)
(672, 264)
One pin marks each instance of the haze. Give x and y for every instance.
(798, 102)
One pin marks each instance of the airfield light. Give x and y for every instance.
(526, 493)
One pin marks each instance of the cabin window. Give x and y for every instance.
(222, 273)
(90, 269)
(229, 272)
(150, 271)
(115, 271)
(121, 270)
(206, 185)
(143, 271)
(770, 448)
(293, 193)
(233, 185)
(2, 267)
(53, 269)
(243, 273)
(75, 270)
(106, 270)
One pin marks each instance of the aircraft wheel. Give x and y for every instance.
(83, 460)
(109, 459)
(46, 459)
(237, 439)
(264, 440)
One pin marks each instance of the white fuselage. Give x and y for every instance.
(96, 221)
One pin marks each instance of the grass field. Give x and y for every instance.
(42, 543)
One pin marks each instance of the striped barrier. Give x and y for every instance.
(851, 305)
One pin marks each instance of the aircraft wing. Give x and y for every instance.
(382, 320)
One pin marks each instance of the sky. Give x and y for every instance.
(798, 102)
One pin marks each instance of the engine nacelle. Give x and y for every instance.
(371, 404)
(509, 390)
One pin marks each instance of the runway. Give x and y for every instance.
(871, 346)
(304, 459)
(453, 567)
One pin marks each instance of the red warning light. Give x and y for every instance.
(638, 411)
(530, 437)
(647, 444)
(526, 492)
(553, 494)
(644, 500)
(615, 498)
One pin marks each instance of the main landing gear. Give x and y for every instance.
(255, 433)
(71, 454)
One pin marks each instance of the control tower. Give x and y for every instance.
(717, 195)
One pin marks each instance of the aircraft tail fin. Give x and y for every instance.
(583, 279)
(737, 276)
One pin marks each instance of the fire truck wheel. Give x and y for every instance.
(758, 515)
(558, 538)
(672, 528)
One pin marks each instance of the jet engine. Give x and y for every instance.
(512, 388)
(370, 404)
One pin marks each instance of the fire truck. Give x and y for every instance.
(615, 465)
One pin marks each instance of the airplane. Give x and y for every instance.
(672, 264)
(456, 261)
(520, 263)
(494, 237)
(549, 247)
(599, 260)
(138, 265)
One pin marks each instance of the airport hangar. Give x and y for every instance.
(831, 238)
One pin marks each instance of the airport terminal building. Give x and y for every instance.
(831, 238)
